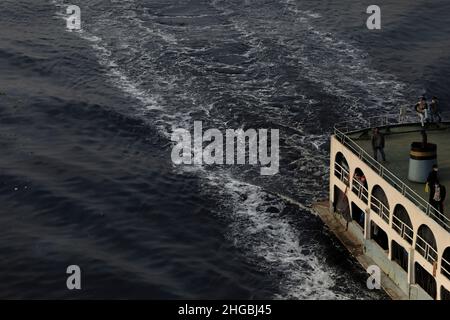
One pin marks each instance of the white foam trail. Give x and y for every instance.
(115, 72)
(265, 235)
(273, 242)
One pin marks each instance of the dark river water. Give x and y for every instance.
(86, 176)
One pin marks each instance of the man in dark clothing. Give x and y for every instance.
(437, 196)
(434, 110)
(378, 144)
(433, 176)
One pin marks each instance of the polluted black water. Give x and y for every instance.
(86, 176)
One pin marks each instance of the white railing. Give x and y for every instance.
(342, 173)
(341, 130)
(405, 231)
(373, 122)
(445, 267)
(360, 190)
(379, 208)
(426, 250)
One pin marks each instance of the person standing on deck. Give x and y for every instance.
(435, 114)
(432, 178)
(378, 144)
(402, 114)
(422, 110)
(437, 196)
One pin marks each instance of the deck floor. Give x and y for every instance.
(397, 155)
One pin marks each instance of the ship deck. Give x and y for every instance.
(398, 142)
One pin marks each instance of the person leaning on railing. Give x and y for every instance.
(435, 113)
(402, 113)
(422, 110)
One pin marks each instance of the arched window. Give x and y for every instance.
(425, 280)
(401, 223)
(341, 204)
(341, 168)
(359, 185)
(426, 244)
(445, 294)
(379, 236)
(400, 255)
(445, 263)
(379, 203)
(358, 215)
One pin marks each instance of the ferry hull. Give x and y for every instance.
(368, 254)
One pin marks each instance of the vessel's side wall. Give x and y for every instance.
(392, 269)
(394, 197)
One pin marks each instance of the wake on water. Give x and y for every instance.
(257, 225)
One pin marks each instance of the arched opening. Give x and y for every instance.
(358, 215)
(341, 204)
(445, 294)
(401, 223)
(426, 244)
(425, 280)
(379, 203)
(400, 255)
(445, 263)
(359, 185)
(379, 236)
(341, 168)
